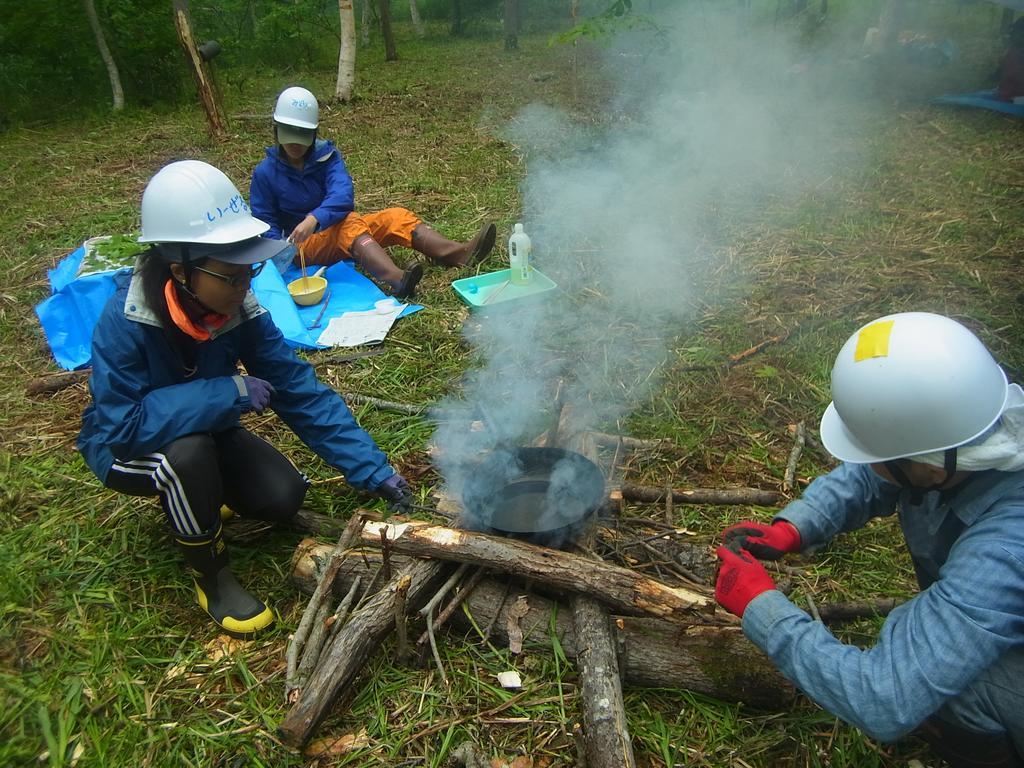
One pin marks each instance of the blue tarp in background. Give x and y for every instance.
(69, 315)
(981, 100)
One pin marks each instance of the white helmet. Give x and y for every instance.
(192, 202)
(909, 384)
(298, 107)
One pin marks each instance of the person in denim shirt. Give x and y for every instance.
(929, 429)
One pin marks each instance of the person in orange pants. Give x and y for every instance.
(304, 191)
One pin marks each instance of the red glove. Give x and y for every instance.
(767, 542)
(740, 579)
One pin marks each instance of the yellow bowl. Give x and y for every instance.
(307, 291)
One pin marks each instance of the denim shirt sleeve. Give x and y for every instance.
(843, 500)
(929, 649)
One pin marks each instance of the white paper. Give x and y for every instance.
(510, 679)
(368, 327)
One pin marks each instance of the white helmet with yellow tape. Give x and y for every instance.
(910, 384)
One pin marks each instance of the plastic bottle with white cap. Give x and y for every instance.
(519, 250)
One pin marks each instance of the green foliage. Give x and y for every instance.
(50, 66)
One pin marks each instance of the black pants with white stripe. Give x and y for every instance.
(196, 474)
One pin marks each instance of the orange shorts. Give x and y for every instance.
(392, 226)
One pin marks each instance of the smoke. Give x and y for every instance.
(704, 123)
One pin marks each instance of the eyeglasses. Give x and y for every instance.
(238, 279)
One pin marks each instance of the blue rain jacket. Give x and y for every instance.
(142, 400)
(968, 551)
(282, 196)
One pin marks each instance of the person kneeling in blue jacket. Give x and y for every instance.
(928, 428)
(167, 395)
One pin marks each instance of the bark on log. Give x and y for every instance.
(624, 590)
(713, 660)
(351, 647)
(606, 740)
(724, 496)
(605, 733)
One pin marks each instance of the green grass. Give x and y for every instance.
(102, 653)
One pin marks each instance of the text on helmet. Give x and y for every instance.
(236, 204)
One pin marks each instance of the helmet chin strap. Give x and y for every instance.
(917, 492)
(185, 284)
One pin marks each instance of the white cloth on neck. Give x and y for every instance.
(1001, 447)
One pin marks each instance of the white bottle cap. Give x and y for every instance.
(518, 227)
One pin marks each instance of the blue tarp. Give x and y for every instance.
(69, 315)
(981, 100)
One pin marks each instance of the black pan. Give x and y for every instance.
(542, 495)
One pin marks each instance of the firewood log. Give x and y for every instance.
(348, 651)
(715, 660)
(620, 588)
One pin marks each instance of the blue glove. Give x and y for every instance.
(259, 392)
(397, 493)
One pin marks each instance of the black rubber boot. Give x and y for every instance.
(407, 285)
(449, 253)
(218, 593)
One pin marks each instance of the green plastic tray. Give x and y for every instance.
(493, 289)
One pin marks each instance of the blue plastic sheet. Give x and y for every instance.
(982, 100)
(349, 291)
(70, 314)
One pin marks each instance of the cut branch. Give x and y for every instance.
(607, 743)
(316, 610)
(799, 438)
(384, 405)
(620, 588)
(401, 628)
(351, 647)
(723, 496)
(55, 382)
(629, 443)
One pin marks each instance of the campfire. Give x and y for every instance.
(527, 513)
(546, 496)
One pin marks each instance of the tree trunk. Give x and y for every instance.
(713, 660)
(367, 20)
(385, 27)
(108, 60)
(511, 25)
(200, 72)
(417, 22)
(347, 52)
(456, 18)
(889, 23)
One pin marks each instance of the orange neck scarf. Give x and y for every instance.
(211, 320)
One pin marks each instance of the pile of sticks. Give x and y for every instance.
(619, 623)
